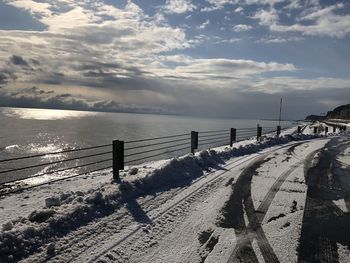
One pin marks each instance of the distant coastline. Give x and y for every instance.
(339, 113)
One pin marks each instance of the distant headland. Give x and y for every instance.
(341, 112)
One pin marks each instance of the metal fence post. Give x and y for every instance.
(299, 129)
(232, 136)
(118, 158)
(194, 141)
(278, 130)
(258, 132)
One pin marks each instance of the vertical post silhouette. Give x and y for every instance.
(232, 136)
(194, 141)
(258, 132)
(118, 158)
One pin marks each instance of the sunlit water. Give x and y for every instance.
(35, 131)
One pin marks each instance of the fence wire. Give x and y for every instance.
(169, 143)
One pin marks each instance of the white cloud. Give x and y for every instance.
(217, 4)
(262, 2)
(242, 28)
(204, 25)
(279, 39)
(122, 54)
(230, 40)
(227, 68)
(267, 17)
(179, 6)
(314, 21)
(238, 9)
(280, 84)
(220, 4)
(294, 4)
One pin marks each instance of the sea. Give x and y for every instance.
(28, 132)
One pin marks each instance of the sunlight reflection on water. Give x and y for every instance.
(44, 114)
(26, 132)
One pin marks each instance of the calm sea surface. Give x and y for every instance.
(35, 131)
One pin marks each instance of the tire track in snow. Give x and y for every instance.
(192, 197)
(324, 224)
(246, 234)
(92, 234)
(214, 180)
(243, 251)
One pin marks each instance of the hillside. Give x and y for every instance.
(341, 112)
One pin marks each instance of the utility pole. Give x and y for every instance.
(279, 119)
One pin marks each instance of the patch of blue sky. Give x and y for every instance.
(12, 18)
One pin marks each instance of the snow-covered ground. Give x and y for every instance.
(223, 205)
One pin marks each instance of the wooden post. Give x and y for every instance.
(278, 130)
(258, 132)
(118, 158)
(326, 131)
(232, 136)
(334, 129)
(299, 129)
(315, 130)
(194, 141)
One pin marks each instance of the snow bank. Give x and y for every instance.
(61, 214)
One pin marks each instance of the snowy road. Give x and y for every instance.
(285, 203)
(171, 234)
(326, 225)
(233, 219)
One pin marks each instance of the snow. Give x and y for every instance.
(162, 211)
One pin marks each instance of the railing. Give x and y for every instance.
(87, 160)
(152, 148)
(27, 170)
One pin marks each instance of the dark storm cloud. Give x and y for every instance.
(238, 103)
(36, 97)
(99, 78)
(36, 90)
(212, 102)
(3, 78)
(23, 65)
(95, 68)
(6, 76)
(18, 60)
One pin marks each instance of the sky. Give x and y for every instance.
(213, 58)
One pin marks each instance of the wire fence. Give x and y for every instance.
(60, 165)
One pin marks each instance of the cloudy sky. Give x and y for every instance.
(228, 58)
